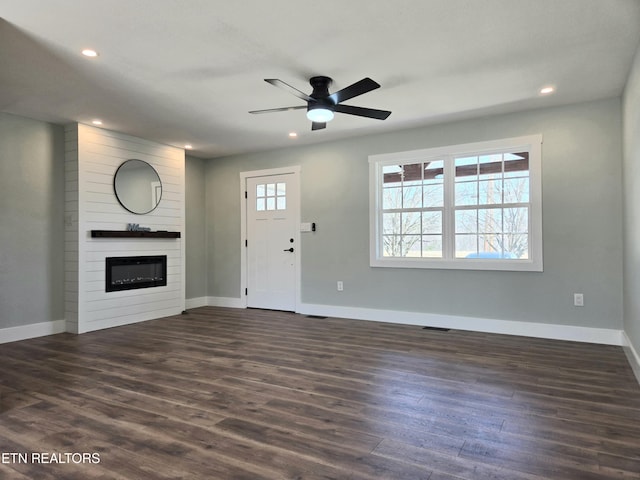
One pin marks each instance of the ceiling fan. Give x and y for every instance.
(321, 105)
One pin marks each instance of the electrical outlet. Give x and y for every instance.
(340, 286)
(578, 300)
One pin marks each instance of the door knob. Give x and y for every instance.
(288, 250)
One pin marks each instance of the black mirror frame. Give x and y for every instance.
(115, 190)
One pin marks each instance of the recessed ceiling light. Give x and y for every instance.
(188, 147)
(547, 90)
(293, 134)
(96, 122)
(88, 52)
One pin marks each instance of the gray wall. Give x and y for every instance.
(582, 226)
(632, 205)
(582, 221)
(195, 228)
(31, 221)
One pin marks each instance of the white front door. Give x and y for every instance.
(272, 241)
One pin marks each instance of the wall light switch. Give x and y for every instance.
(305, 227)
(578, 300)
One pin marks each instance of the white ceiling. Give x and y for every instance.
(188, 71)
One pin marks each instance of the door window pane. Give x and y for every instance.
(271, 196)
(271, 203)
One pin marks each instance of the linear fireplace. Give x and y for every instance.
(127, 273)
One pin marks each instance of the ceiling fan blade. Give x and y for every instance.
(283, 109)
(318, 125)
(363, 86)
(279, 83)
(362, 112)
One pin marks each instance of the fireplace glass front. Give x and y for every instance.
(127, 273)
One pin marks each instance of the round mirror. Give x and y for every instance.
(137, 186)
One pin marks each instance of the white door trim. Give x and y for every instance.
(296, 169)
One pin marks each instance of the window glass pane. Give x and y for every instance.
(433, 171)
(412, 197)
(490, 192)
(271, 189)
(466, 246)
(391, 174)
(490, 246)
(517, 245)
(515, 156)
(516, 174)
(516, 220)
(411, 223)
(461, 161)
(432, 246)
(281, 189)
(412, 174)
(433, 195)
(466, 168)
(391, 246)
(466, 193)
(490, 167)
(260, 191)
(260, 205)
(391, 223)
(490, 220)
(411, 246)
(516, 190)
(516, 164)
(466, 221)
(271, 203)
(392, 198)
(432, 222)
(281, 203)
(492, 158)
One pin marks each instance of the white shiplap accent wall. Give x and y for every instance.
(92, 157)
(71, 251)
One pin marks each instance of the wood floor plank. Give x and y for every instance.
(223, 393)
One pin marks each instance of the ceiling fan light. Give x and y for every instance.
(320, 115)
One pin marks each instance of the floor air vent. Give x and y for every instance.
(436, 329)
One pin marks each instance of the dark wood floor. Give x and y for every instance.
(248, 394)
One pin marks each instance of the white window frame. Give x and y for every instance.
(530, 143)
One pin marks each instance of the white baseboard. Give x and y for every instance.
(506, 327)
(196, 302)
(573, 333)
(230, 302)
(24, 332)
(632, 355)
